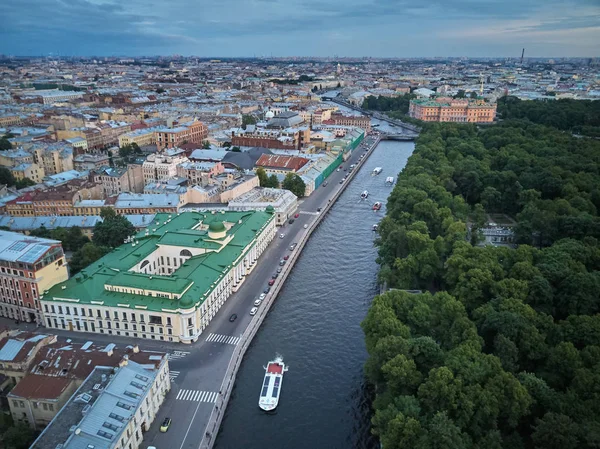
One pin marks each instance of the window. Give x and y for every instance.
(15, 403)
(45, 406)
(110, 426)
(51, 407)
(131, 394)
(124, 405)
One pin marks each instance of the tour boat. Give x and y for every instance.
(377, 170)
(364, 195)
(377, 206)
(389, 180)
(271, 389)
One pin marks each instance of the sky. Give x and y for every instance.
(232, 28)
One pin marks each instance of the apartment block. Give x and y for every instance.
(358, 121)
(159, 167)
(141, 137)
(194, 132)
(199, 173)
(111, 409)
(28, 267)
(30, 171)
(119, 180)
(58, 370)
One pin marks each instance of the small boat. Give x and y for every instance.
(375, 227)
(377, 170)
(389, 180)
(377, 206)
(364, 195)
(271, 389)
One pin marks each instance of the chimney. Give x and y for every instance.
(124, 361)
(136, 349)
(110, 352)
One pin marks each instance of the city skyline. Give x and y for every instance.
(302, 28)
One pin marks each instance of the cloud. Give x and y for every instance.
(296, 27)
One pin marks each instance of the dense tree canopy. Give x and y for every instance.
(5, 144)
(87, 254)
(113, 230)
(72, 238)
(580, 116)
(293, 183)
(399, 104)
(506, 353)
(266, 180)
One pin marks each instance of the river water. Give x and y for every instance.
(315, 325)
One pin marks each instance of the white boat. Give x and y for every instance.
(389, 180)
(377, 170)
(377, 206)
(271, 389)
(375, 227)
(364, 195)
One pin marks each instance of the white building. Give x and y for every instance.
(159, 167)
(111, 409)
(284, 202)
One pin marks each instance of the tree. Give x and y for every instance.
(273, 182)
(86, 255)
(248, 120)
(236, 149)
(160, 90)
(6, 177)
(112, 231)
(294, 184)
(227, 145)
(18, 437)
(25, 182)
(263, 178)
(5, 144)
(460, 94)
(206, 145)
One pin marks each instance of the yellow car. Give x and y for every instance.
(165, 425)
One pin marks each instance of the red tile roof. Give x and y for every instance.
(40, 387)
(282, 162)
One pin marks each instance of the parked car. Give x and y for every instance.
(262, 296)
(296, 216)
(267, 290)
(279, 270)
(318, 209)
(305, 226)
(274, 275)
(293, 246)
(165, 425)
(233, 317)
(281, 263)
(253, 311)
(286, 257)
(281, 236)
(257, 303)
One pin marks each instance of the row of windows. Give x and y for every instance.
(35, 405)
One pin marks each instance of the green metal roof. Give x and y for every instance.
(202, 272)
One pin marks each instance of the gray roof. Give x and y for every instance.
(12, 347)
(98, 416)
(245, 160)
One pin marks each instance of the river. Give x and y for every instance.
(315, 325)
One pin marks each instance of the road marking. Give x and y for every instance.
(227, 339)
(197, 396)
(173, 375)
(177, 355)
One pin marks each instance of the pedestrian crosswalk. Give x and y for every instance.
(173, 375)
(178, 355)
(218, 338)
(197, 396)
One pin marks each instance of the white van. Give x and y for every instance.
(257, 303)
(253, 311)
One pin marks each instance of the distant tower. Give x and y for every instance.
(481, 84)
(522, 54)
(339, 69)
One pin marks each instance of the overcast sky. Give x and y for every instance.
(379, 28)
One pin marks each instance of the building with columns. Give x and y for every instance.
(168, 282)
